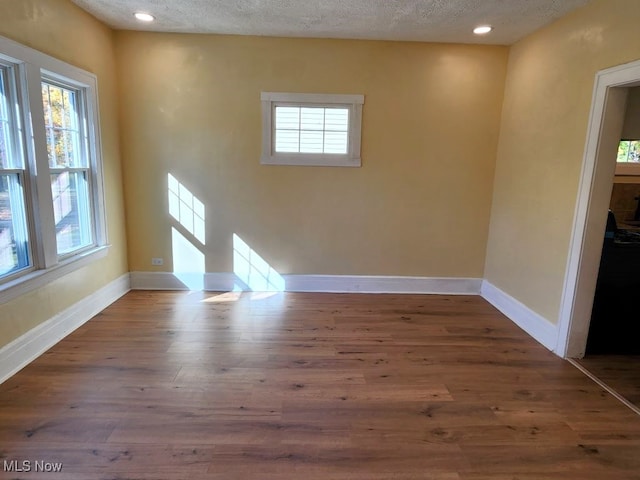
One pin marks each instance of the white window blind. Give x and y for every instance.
(311, 130)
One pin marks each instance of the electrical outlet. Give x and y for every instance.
(157, 261)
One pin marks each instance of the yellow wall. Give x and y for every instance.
(418, 206)
(61, 29)
(544, 122)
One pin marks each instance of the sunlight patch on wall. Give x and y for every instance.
(187, 209)
(253, 271)
(188, 261)
(189, 236)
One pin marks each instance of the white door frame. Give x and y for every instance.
(590, 213)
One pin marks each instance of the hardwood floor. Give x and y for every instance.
(619, 372)
(176, 386)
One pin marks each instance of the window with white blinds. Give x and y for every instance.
(311, 129)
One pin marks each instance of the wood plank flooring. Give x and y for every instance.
(176, 386)
(619, 372)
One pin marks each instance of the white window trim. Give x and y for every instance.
(47, 265)
(35, 279)
(352, 102)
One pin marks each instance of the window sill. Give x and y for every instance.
(312, 160)
(628, 169)
(39, 278)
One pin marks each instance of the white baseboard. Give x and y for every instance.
(382, 284)
(316, 283)
(23, 350)
(211, 282)
(156, 281)
(534, 324)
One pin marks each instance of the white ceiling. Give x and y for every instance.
(413, 20)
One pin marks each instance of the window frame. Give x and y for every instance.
(83, 143)
(271, 100)
(22, 172)
(31, 68)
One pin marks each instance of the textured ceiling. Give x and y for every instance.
(413, 20)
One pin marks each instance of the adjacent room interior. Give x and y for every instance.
(444, 210)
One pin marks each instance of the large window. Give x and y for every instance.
(311, 129)
(51, 204)
(68, 166)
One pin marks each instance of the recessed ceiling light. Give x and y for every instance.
(144, 17)
(482, 30)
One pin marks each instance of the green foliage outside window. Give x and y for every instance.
(629, 151)
(61, 121)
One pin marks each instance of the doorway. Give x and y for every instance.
(597, 179)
